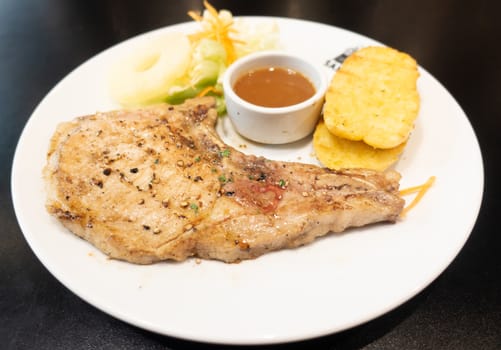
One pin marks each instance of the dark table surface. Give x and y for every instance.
(458, 42)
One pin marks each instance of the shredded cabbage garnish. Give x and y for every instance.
(252, 37)
(238, 37)
(230, 40)
(217, 26)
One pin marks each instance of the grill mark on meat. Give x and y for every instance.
(112, 175)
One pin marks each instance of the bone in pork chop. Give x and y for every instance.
(158, 183)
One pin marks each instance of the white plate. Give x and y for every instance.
(335, 283)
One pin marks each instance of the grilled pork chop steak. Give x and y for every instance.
(158, 183)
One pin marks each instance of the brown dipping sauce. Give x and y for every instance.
(274, 87)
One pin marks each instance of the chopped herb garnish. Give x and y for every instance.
(157, 161)
(197, 159)
(194, 207)
(225, 153)
(222, 179)
(281, 183)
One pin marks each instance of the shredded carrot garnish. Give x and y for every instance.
(218, 31)
(195, 16)
(421, 189)
(206, 91)
(211, 8)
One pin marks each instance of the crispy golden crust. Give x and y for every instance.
(373, 98)
(337, 153)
